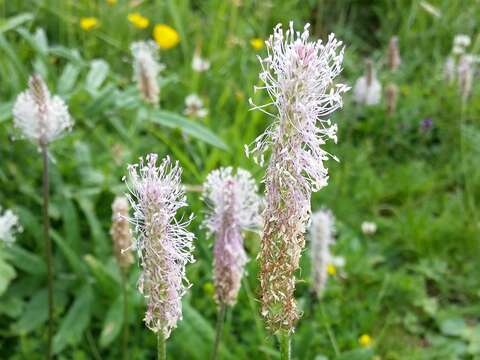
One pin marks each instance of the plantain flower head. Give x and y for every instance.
(9, 226)
(322, 237)
(120, 232)
(146, 69)
(40, 116)
(163, 243)
(367, 89)
(298, 76)
(394, 60)
(234, 206)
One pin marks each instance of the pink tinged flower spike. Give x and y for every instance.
(40, 116)
(146, 69)
(234, 206)
(298, 76)
(322, 232)
(163, 243)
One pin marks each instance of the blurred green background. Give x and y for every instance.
(412, 287)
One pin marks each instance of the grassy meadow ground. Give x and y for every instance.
(412, 287)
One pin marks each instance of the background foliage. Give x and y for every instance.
(413, 286)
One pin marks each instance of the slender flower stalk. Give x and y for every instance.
(234, 207)
(322, 237)
(298, 75)
(163, 243)
(42, 118)
(122, 242)
(146, 69)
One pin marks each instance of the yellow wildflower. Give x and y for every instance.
(88, 23)
(365, 340)
(165, 36)
(111, 2)
(257, 43)
(138, 20)
(331, 269)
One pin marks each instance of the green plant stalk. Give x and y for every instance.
(161, 347)
(284, 342)
(125, 313)
(48, 248)
(219, 329)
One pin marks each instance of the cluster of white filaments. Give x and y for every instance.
(163, 243)
(40, 116)
(9, 226)
(146, 69)
(322, 237)
(298, 76)
(235, 206)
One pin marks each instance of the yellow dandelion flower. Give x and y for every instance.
(111, 2)
(331, 269)
(365, 340)
(165, 36)
(89, 23)
(138, 20)
(256, 43)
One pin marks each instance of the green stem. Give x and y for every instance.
(284, 341)
(125, 314)
(48, 248)
(219, 329)
(161, 348)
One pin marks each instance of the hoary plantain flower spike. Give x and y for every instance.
(146, 69)
(163, 243)
(120, 232)
(234, 206)
(298, 76)
(9, 227)
(367, 89)
(322, 237)
(40, 116)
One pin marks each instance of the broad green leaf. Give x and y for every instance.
(11, 306)
(97, 75)
(100, 240)
(113, 323)
(72, 55)
(106, 281)
(102, 101)
(5, 111)
(14, 21)
(72, 257)
(454, 326)
(194, 129)
(7, 274)
(68, 78)
(38, 41)
(75, 322)
(27, 261)
(35, 314)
